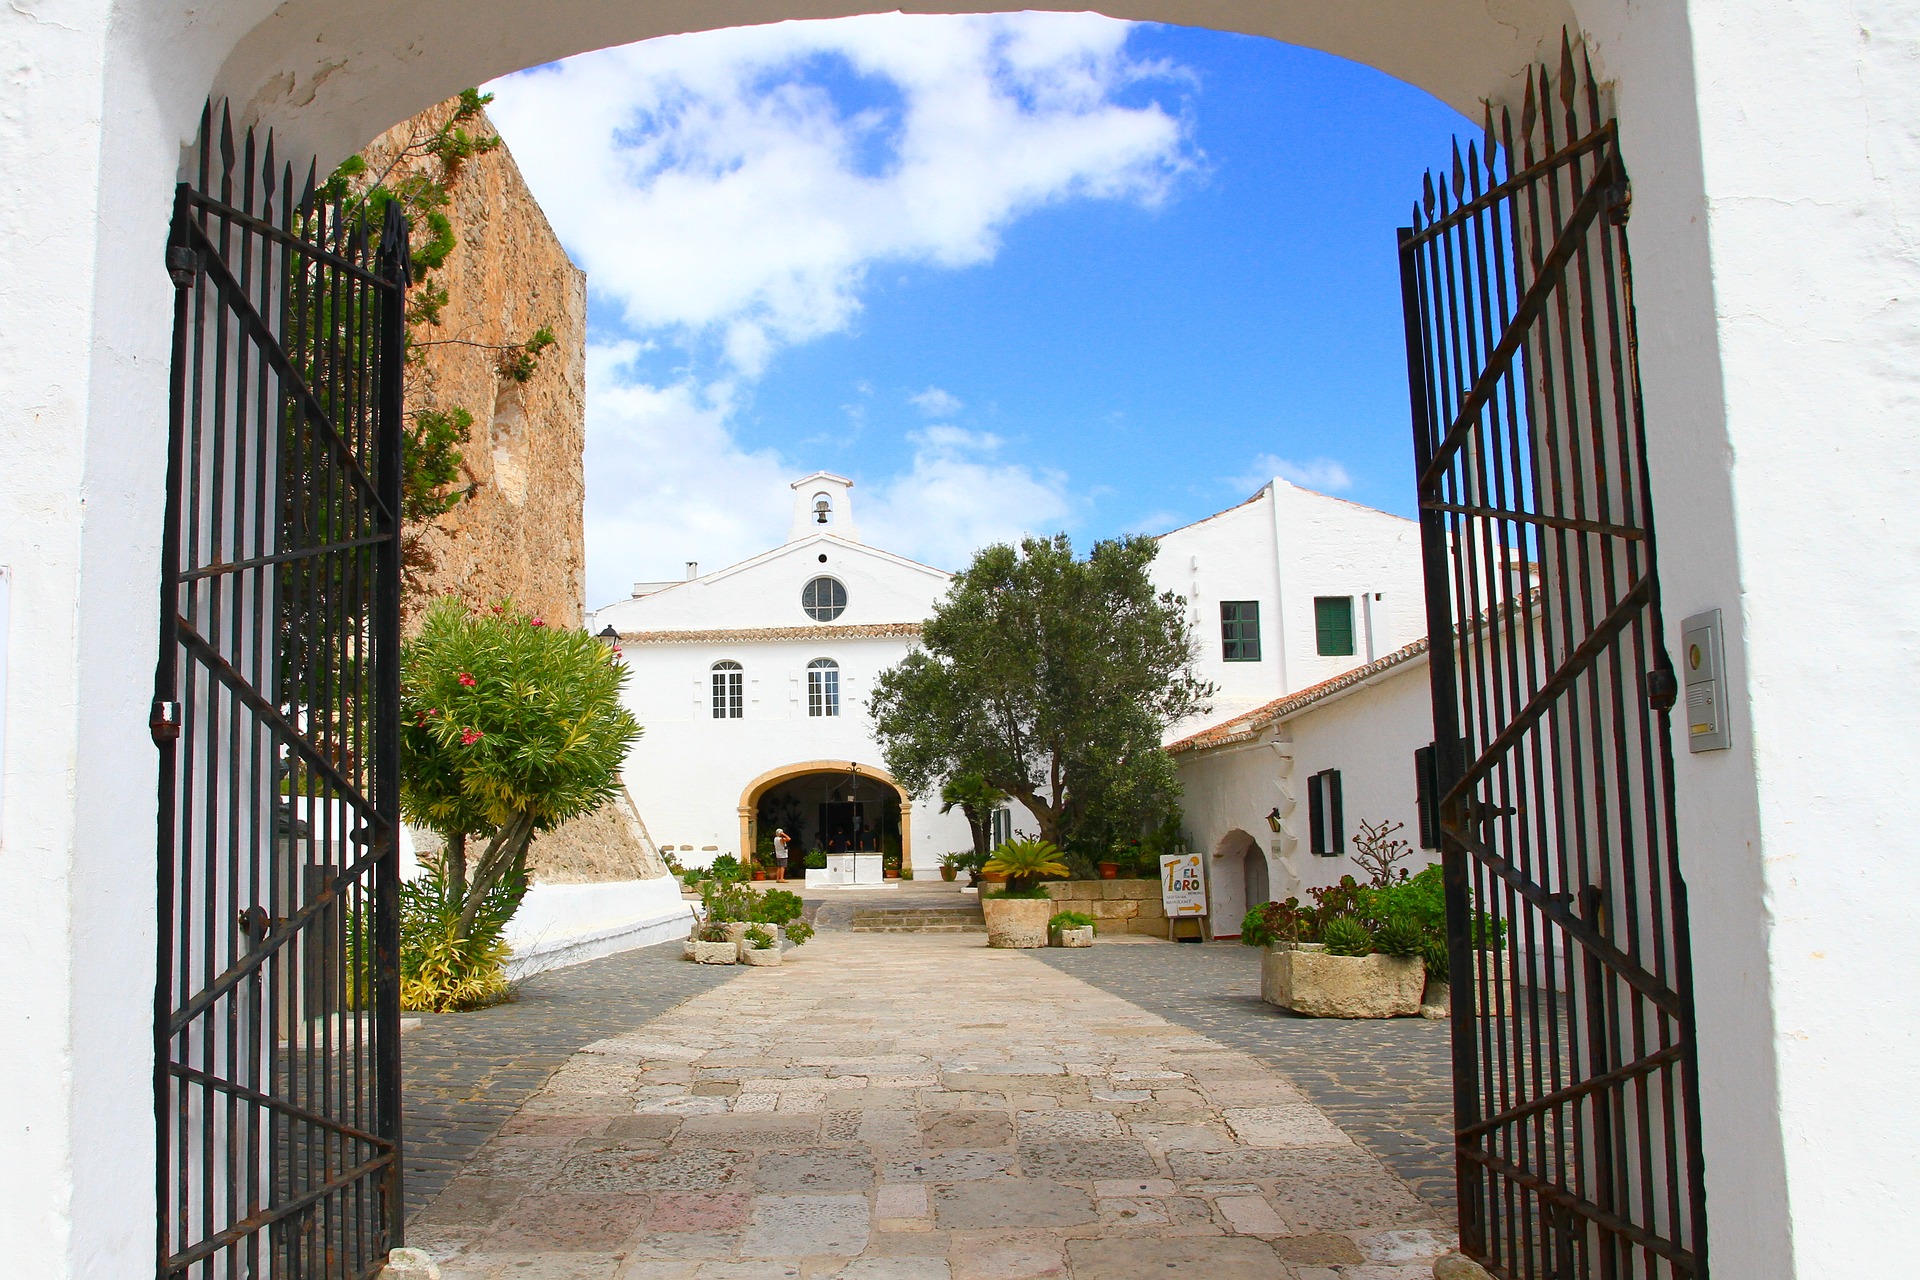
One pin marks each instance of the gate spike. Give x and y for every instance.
(1459, 176)
(1492, 144)
(1528, 110)
(1473, 169)
(267, 186)
(1593, 88)
(226, 142)
(1426, 191)
(1566, 70)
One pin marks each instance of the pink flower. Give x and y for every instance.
(537, 622)
(499, 608)
(470, 736)
(467, 680)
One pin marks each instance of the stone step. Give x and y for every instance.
(910, 922)
(918, 928)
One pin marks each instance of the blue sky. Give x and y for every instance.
(1010, 274)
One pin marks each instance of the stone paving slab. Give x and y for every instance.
(466, 1074)
(1388, 1083)
(1056, 1130)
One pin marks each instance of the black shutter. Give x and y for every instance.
(1339, 824)
(1425, 792)
(1316, 813)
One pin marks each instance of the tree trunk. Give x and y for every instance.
(454, 867)
(982, 829)
(507, 849)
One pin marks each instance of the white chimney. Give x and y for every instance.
(693, 570)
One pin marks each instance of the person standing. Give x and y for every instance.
(780, 846)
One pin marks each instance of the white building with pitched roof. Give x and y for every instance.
(752, 681)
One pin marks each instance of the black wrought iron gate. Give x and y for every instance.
(277, 1006)
(1576, 1104)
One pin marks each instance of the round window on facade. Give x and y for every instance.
(824, 599)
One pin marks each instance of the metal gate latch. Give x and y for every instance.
(164, 723)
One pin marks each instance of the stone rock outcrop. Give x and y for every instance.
(610, 843)
(520, 533)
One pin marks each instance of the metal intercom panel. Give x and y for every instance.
(1703, 665)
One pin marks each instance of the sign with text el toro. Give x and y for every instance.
(1182, 891)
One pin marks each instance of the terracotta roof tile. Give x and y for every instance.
(1248, 724)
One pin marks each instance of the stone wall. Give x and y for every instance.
(1117, 906)
(520, 532)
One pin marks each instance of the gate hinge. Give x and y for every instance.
(1663, 685)
(183, 264)
(164, 723)
(1620, 202)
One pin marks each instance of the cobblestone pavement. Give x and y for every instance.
(921, 1107)
(1389, 1083)
(464, 1074)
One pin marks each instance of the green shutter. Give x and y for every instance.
(1333, 624)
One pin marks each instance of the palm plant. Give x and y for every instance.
(1023, 862)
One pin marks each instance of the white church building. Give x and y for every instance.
(751, 683)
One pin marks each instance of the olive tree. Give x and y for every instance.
(1051, 679)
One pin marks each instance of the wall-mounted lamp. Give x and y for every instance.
(1273, 818)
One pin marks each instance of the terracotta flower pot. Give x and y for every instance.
(1109, 871)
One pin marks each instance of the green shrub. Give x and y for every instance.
(1400, 936)
(1070, 920)
(1346, 936)
(1023, 862)
(778, 906)
(441, 971)
(817, 860)
(798, 932)
(726, 867)
(1434, 951)
(759, 938)
(1032, 891)
(1272, 922)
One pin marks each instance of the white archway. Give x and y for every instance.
(1758, 143)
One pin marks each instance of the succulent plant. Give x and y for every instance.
(1434, 951)
(1400, 936)
(1345, 936)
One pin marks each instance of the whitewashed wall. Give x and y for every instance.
(1283, 547)
(688, 771)
(1778, 293)
(765, 591)
(1369, 733)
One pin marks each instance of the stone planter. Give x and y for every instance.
(1016, 922)
(737, 931)
(716, 952)
(1437, 1003)
(1323, 986)
(1081, 937)
(750, 954)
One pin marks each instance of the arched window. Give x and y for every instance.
(729, 692)
(824, 599)
(823, 687)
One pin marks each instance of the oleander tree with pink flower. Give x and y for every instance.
(509, 727)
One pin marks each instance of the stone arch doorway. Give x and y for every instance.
(1239, 880)
(832, 802)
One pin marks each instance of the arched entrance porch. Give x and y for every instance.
(834, 805)
(1239, 880)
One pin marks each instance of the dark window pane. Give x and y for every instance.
(824, 599)
(1333, 624)
(1240, 630)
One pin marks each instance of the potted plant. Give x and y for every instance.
(714, 946)
(757, 946)
(950, 864)
(1071, 929)
(1109, 868)
(1017, 915)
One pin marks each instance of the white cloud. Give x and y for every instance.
(936, 402)
(958, 496)
(714, 186)
(1323, 474)
(729, 204)
(667, 482)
